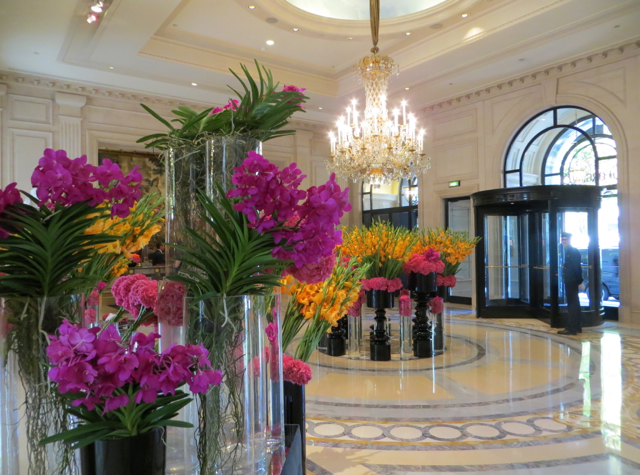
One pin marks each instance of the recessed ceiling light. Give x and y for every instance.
(97, 7)
(521, 59)
(407, 88)
(320, 108)
(194, 83)
(408, 33)
(450, 84)
(91, 18)
(271, 42)
(296, 29)
(252, 7)
(465, 15)
(617, 26)
(271, 20)
(112, 67)
(350, 38)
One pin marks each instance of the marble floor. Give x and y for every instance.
(507, 397)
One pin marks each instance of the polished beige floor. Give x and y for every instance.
(507, 397)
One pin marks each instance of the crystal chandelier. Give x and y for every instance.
(377, 149)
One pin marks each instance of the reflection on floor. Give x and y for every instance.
(507, 397)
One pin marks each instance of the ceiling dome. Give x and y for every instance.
(359, 9)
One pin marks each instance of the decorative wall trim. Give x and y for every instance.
(556, 70)
(70, 135)
(20, 114)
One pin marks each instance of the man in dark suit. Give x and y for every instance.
(572, 276)
(157, 256)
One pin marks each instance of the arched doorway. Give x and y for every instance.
(569, 145)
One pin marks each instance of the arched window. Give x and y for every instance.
(562, 146)
(572, 146)
(396, 203)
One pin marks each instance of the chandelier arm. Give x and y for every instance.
(374, 12)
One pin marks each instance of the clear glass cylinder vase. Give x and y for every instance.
(238, 429)
(42, 411)
(9, 462)
(181, 448)
(194, 168)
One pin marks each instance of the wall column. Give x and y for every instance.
(69, 129)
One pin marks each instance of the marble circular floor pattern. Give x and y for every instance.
(507, 397)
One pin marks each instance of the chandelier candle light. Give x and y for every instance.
(377, 149)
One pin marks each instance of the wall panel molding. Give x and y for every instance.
(32, 110)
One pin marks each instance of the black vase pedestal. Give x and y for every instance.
(144, 454)
(424, 287)
(380, 348)
(438, 327)
(294, 413)
(336, 342)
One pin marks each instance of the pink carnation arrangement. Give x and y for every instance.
(103, 370)
(381, 283)
(404, 305)
(295, 371)
(170, 304)
(446, 280)
(302, 223)
(138, 295)
(313, 273)
(436, 305)
(425, 263)
(60, 180)
(354, 310)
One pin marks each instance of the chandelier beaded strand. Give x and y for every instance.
(377, 149)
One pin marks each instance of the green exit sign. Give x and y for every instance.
(453, 184)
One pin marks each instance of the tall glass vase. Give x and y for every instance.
(30, 320)
(194, 168)
(9, 462)
(235, 434)
(181, 449)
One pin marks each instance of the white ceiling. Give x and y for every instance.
(162, 46)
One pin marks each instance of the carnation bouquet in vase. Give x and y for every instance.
(384, 248)
(46, 261)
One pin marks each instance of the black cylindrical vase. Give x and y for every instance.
(443, 292)
(143, 454)
(380, 299)
(336, 341)
(294, 414)
(423, 282)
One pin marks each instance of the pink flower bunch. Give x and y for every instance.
(291, 88)
(96, 363)
(272, 332)
(232, 104)
(169, 307)
(354, 310)
(436, 305)
(90, 315)
(432, 255)
(313, 273)
(8, 197)
(425, 263)
(446, 280)
(381, 283)
(304, 233)
(270, 195)
(295, 371)
(134, 292)
(60, 180)
(404, 305)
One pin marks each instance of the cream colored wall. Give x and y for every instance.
(467, 139)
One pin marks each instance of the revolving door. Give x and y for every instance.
(519, 260)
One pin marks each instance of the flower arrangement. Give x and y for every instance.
(261, 112)
(133, 233)
(262, 227)
(295, 371)
(425, 263)
(384, 247)
(47, 263)
(319, 306)
(121, 388)
(436, 305)
(453, 246)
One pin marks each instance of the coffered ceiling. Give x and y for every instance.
(444, 47)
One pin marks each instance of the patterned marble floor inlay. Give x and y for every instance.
(508, 397)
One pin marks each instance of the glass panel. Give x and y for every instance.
(606, 147)
(506, 258)
(414, 217)
(385, 196)
(545, 268)
(580, 165)
(573, 116)
(560, 140)
(512, 179)
(400, 219)
(459, 219)
(575, 222)
(608, 172)
(553, 180)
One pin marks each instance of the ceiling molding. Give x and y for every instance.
(579, 63)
